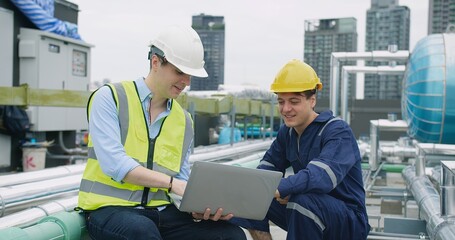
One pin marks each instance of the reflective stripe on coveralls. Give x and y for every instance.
(295, 206)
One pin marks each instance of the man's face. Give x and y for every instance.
(296, 110)
(172, 81)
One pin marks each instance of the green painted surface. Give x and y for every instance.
(214, 105)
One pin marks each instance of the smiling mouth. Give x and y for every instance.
(288, 116)
(179, 88)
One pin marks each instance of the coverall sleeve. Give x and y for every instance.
(324, 172)
(274, 158)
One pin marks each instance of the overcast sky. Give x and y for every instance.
(261, 35)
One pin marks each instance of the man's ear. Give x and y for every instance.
(313, 101)
(154, 62)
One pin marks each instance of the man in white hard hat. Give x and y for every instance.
(139, 146)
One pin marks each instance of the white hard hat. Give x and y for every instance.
(182, 47)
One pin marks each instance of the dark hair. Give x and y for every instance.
(309, 93)
(156, 51)
(162, 59)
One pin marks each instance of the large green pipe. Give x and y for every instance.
(62, 225)
(396, 168)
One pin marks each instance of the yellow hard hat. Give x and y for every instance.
(296, 76)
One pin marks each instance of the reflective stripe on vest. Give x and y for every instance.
(171, 145)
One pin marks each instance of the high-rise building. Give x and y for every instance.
(211, 31)
(441, 14)
(324, 36)
(387, 25)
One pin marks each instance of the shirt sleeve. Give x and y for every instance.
(104, 131)
(184, 173)
(323, 173)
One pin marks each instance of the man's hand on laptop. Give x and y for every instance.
(215, 217)
(283, 201)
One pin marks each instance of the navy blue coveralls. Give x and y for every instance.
(327, 198)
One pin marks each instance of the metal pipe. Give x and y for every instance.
(384, 235)
(344, 94)
(263, 123)
(427, 152)
(371, 56)
(364, 148)
(32, 215)
(375, 127)
(427, 199)
(272, 116)
(232, 152)
(44, 174)
(334, 82)
(18, 195)
(420, 165)
(374, 147)
(232, 125)
(217, 147)
(245, 160)
(398, 151)
(346, 70)
(70, 150)
(374, 177)
(447, 188)
(336, 57)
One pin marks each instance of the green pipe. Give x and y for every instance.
(396, 168)
(62, 225)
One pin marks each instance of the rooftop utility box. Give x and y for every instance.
(6, 73)
(51, 61)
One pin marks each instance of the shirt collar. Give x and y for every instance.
(145, 93)
(323, 116)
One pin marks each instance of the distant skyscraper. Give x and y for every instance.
(441, 13)
(211, 31)
(387, 24)
(324, 36)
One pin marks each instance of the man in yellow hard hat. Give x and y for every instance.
(139, 144)
(324, 198)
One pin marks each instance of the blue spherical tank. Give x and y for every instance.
(428, 99)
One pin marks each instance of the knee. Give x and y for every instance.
(234, 232)
(301, 199)
(123, 231)
(142, 232)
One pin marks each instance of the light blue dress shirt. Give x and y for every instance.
(105, 133)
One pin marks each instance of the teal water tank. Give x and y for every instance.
(428, 99)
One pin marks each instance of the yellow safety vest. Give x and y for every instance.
(165, 153)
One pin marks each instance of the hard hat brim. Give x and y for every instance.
(192, 71)
(294, 87)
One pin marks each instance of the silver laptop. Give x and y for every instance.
(244, 192)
